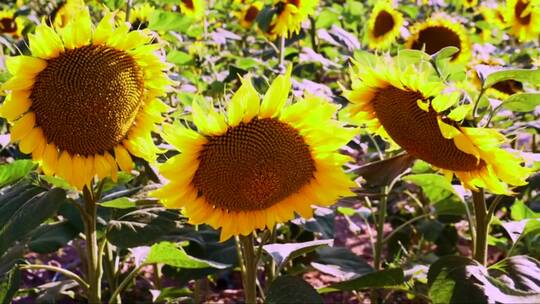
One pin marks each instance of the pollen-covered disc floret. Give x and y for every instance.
(93, 91)
(437, 33)
(85, 100)
(409, 107)
(260, 164)
(383, 26)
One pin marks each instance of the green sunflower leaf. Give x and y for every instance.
(292, 290)
(29, 216)
(521, 75)
(169, 21)
(9, 284)
(282, 253)
(173, 255)
(455, 279)
(16, 170)
(522, 102)
(378, 279)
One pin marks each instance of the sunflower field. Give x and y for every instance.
(269, 151)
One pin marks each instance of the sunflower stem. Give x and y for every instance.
(128, 9)
(92, 249)
(379, 242)
(125, 283)
(250, 273)
(381, 216)
(282, 52)
(313, 34)
(483, 219)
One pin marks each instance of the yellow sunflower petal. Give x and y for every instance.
(50, 159)
(276, 96)
(123, 159)
(16, 104)
(23, 126)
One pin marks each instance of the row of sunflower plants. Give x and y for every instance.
(284, 151)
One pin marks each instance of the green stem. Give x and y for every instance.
(379, 242)
(483, 219)
(313, 34)
(377, 259)
(125, 282)
(92, 249)
(477, 102)
(65, 272)
(250, 274)
(128, 9)
(110, 270)
(270, 267)
(201, 288)
(281, 51)
(407, 223)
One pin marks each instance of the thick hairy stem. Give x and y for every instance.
(482, 219)
(281, 51)
(92, 250)
(250, 273)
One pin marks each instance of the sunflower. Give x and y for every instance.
(259, 164)
(66, 12)
(410, 107)
(193, 8)
(10, 24)
(500, 90)
(383, 26)
(140, 16)
(494, 16)
(469, 3)
(249, 13)
(524, 18)
(289, 15)
(85, 100)
(437, 33)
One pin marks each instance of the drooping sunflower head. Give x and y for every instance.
(85, 100)
(193, 8)
(259, 164)
(249, 13)
(140, 16)
(411, 107)
(10, 24)
(383, 26)
(524, 18)
(437, 33)
(67, 11)
(289, 15)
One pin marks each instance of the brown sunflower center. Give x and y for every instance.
(384, 23)
(189, 4)
(8, 25)
(251, 14)
(435, 38)
(87, 98)
(417, 131)
(508, 86)
(294, 2)
(518, 11)
(253, 166)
